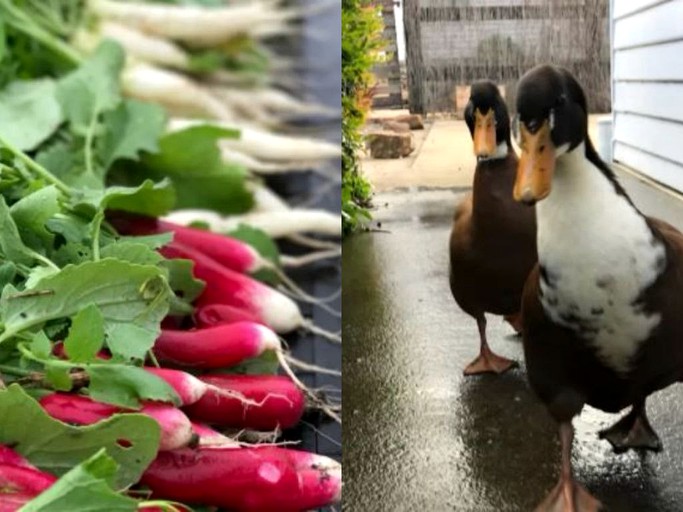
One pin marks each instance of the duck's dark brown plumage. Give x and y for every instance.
(492, 243)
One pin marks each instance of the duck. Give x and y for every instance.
(493, 238)
(601, 310)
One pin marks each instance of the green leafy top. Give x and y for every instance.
(131, 440)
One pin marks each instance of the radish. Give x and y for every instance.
(136, 43)
(272, 100)
(210, 437)
(196, 26)
(228, 251)
(221, 346)
(244, 479)
(176, 430)
(265, 145)
(217, 314)
(20, 484)
(260, 167)
(259, 402)
(225, 286)
(276, 224)
(188, 387)
(178, 93)
(9, 457)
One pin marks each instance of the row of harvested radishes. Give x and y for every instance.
(236, 319)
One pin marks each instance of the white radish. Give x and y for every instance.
(144, 46)
(265, 145)
(265, 200)
(259, 167)
(280, 101)
(276, 224)
(174, 91)
(197, 26)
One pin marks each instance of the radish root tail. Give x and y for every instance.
(314, 399)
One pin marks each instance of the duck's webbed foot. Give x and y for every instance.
(487, 361)
(568, 495)
(633, 431)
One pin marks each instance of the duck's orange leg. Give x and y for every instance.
(568, 495)
(487, 361)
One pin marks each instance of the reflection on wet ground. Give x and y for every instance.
(418, 435)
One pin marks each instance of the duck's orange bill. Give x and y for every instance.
(484, 133)
(536, 165)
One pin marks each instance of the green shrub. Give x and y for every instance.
(361, 44)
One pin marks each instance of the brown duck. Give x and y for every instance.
(602, 310)
(493, 240)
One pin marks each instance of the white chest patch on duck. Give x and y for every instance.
(597, 257)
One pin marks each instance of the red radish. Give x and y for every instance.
(318, 486)
(230, 252)
(244, 479)
(188, 387)
(216, 314)
(176, 429)
(225, 286)
(259, 402)
(215, 347)
(11, 458)
(210, 437)
(20, 484)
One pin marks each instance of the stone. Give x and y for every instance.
(386, 144)
(412, 120)
(394, 126)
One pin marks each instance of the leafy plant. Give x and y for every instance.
(361, 44)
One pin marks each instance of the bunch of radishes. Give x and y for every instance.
(236, 320)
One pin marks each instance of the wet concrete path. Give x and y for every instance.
(418, 436)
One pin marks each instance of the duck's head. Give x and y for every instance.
(487, 118)
(551, 120)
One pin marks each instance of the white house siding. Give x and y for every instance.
(647, 87)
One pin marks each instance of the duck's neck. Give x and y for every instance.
(493, 181)
(587, 207)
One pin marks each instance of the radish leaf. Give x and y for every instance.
(181, 279)
(132, 252)
(265, 364)
(86, 335)
(40, 345)
(58, 377)
(191, 158)
(11, 245)
(133, 127)
(130, 439)
(32, 213)
(125, 385)
(86, 485)
(93, 87)
(125, 293)
(148, 198)
(29, 112)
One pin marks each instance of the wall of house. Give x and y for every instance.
(647, 87)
